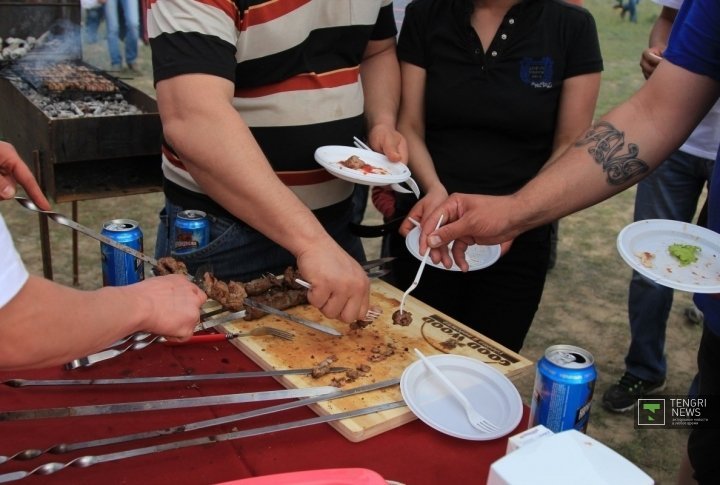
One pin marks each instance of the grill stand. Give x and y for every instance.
(45, 248)
(75, 159)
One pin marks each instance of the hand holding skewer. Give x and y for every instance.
(14, 171)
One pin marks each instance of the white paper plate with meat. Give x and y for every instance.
(361, 166)
(645, 246)
(491, 393)
(477, 255)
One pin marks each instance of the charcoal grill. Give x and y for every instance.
(83, 158)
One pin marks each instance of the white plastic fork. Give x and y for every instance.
(361, 144)
(476, 419)
(396, 187)
(419, 272)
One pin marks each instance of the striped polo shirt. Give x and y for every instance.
(296, 69)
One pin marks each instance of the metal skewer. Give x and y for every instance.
(150, 380)
(66, 221)
(89, 460)
(160, 404)
(61, 448)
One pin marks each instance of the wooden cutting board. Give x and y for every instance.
(431, 331)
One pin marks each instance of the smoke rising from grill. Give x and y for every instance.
(46, 70)
(60, 42)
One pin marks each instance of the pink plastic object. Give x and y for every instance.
(335, 476)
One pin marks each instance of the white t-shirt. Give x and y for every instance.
(704, 141)
(13, 274)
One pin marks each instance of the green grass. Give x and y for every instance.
(585, 301)
(621, 43)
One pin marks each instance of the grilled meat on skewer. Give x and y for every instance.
(281, 300)
(236, 296)
(169, 265)
(289, 276)
(261, 285)
(278, 293)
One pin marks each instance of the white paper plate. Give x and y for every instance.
(654, 236)
(492, 394)
(477, 256)
(330, 157)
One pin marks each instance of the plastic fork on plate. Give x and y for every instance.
(396, 187)
(416, 281)
(476, 419)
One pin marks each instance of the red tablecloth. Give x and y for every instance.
(413, 453)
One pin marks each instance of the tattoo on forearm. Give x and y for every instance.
(605, 141)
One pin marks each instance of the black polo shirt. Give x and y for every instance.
(490, 116)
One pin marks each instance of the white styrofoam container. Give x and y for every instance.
(566, 457)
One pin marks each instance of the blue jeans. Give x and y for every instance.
(131, 14)
(670, 192)
(631, 6)
(240, 253)
(93, 17)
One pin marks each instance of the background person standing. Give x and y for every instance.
(94, 14)
(131, 17)
(491, 90)
(246, 95)
(670, 192)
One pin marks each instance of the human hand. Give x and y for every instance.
(340, 287)
(423, 208)
(171, 305)
(14, 171)
(387, 140)
(472, 219)
(649, 60)
(419, 212)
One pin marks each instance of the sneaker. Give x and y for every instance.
(694, 315)
(623, 396)
(115, 68)
(133, 68)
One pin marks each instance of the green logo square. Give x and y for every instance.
(651, 412)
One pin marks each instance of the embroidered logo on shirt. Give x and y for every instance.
(537, 72)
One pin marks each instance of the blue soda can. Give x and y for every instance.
(119, 268)
(563, 392)
(192, 231)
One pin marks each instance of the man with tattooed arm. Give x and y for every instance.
(622, 148)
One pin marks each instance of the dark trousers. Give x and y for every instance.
(704, 443)
(499, 301)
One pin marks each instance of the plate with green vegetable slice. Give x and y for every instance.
(675, 254)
